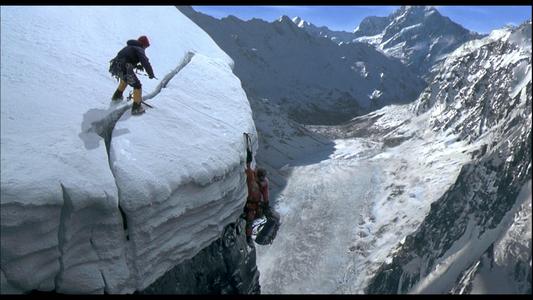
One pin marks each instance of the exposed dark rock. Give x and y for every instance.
(227, 266)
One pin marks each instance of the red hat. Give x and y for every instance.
(144, 41)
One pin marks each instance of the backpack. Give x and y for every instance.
(115, 67)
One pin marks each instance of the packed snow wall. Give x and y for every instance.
(94, 199)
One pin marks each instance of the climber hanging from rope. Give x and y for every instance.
(257, 202)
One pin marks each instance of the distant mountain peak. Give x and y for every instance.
(231, 18)
(418, 35)
(285, 19)
(416, 8)
(300, 22)
(371, 26)
(415, 13)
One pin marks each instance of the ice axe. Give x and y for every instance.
(248, 139)
(249, 153)
(130, 97)
(143, 74)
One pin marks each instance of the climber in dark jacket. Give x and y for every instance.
(122, 67)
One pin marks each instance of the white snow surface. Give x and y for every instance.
(176, 171)
(472, 245)
(499, 275)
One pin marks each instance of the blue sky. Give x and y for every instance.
(481, 19)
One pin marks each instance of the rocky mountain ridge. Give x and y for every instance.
(482, 93)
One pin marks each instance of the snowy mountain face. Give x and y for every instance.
(371, 26)
(505, 267)
(323, 31)
(94, 199)
(473, 232)
(313, 79)
(419, 36)
(480, 83)
(424, 35)
(434, 207)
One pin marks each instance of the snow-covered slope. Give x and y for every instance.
(312, 78)
(92, 198)
(505, 267)
(481, 83)
(481, 95)
(419, 36)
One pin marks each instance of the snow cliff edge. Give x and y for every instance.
(93, 199)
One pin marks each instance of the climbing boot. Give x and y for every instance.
(137, 109)
(117, 96)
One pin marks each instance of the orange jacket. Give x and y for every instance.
(263, 186)
(254, 191)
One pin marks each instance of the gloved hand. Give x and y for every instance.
(151, 76)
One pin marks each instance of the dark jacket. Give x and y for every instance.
(134, 53)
